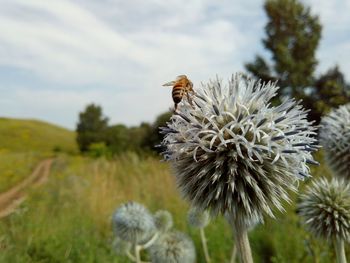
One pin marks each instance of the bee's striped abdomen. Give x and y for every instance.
(177, 93)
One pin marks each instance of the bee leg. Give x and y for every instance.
(175, 107)
(189, 99)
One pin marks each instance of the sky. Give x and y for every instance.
(57, 56)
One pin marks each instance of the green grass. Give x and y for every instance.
(23, 143)
(16, 166)
(17, 135)
(68, 220)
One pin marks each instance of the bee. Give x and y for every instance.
(181, 86)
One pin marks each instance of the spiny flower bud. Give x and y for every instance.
(173, 247)
(133, 222)
(233, 152)
(198, 218)
(335, 138)
(325, 208)
(163, 220)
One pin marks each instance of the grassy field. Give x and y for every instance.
(19, 135)
(69, 220)
(24, 143)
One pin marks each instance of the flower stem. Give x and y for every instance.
(204, 244)
(137, 254)
(339, 250)
(150, 242)
(242, 243)
(234, 254)
(130, 256)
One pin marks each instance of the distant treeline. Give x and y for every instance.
(96, 137)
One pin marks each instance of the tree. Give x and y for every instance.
(154, 137)
(117, 138)
(329, 91)
(91, 127)
(292, 36)
(140, 136)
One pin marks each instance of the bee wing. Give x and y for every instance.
(171, 83)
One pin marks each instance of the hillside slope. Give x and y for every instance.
(19, 135)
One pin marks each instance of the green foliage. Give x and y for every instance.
(154, 137)
(260, 69)
(330, 90)
(98, 149)
(91, 127)
(117, 138)
(292, 36)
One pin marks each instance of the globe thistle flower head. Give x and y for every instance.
(198, 218)
(233, 152)
(132, 222)
(325, 208)
(163, 220)
(335, 138)
(173, 247)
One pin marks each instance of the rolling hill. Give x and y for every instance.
(21, 135)
(24, 143)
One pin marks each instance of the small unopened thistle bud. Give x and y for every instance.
(120, 246)
(325, 209)
(335, 138)
(163, 220)
(198, 218)
(132, 222)
(173, 247)
(233, 152)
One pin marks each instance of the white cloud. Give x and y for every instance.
(335, 41)
(68, 44)
(64, 105)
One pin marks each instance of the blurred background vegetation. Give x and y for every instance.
(102, 165)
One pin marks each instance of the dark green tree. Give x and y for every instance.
(329, 91)
(140, 136)
(154, 137)
(91, 127)
(292, 37)
(117, 138)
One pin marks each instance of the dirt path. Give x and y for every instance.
(13, 197)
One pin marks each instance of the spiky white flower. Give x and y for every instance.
(325, 208)
(163, 220)
(198, 218)
(233, 152)
(335, 138)
(173, 247)
(132, 222)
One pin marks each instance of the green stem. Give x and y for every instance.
(150, 242)
(137, 254)
(131, 257)
(204, 244)
(242, 243)
(234, 254)
(339, 250)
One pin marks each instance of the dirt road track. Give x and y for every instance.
(13, 197)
